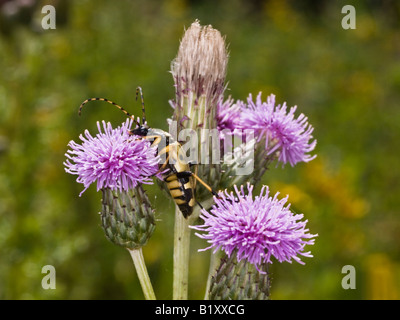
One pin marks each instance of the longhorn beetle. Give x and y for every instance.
(175, 172)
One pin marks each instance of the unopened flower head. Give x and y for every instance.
(255, 228)
(285, 135)
(199, 72)
(112, 158)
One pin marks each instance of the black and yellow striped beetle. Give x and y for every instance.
(175, 172)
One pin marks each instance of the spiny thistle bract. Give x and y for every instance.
(239, 280)
(127, 217)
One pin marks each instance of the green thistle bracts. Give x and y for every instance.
(251, 154)
(234, 171)
(261, 160)
(235, 280)
(127, 217)
(211, 174)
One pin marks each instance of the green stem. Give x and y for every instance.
(141, 270)
(182, 250)
(181, 256)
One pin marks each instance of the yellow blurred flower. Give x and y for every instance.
(282, 14)
(297, 196)
(336, 187)
(381, 278)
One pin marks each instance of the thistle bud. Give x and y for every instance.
(127, 217)
(239, 280)
(199, 72)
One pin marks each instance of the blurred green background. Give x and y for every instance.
(346, 81)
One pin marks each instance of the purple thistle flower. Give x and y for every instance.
(228, 118)
(255, 228)
(283, 133)
(113, 158)
(228, 115)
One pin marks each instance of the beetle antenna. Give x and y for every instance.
(139, 90)
(111, 102)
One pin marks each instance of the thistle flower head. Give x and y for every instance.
(112, 158)
(199, 72)
(284, 134)
(255, 228)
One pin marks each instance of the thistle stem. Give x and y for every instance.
(141, 270)
(181, 256)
